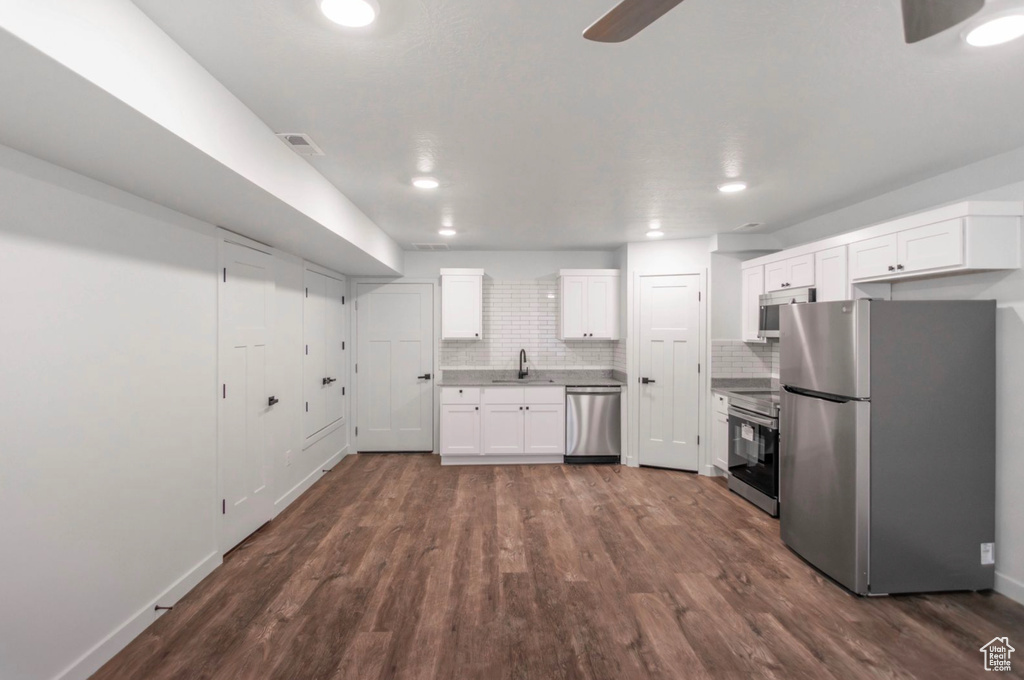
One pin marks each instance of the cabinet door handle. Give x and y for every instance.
(891, 268)
(272, 401)
(477, 408)
(476, 334)
(520, 408)
(527, 408)
(426, 376)
(900, 267)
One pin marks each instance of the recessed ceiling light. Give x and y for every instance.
(654, 233)
(447, 231)
(425, 183)
(351, 13)
(732, 187)
(997, 31)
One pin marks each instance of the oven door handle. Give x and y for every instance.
(758, 420)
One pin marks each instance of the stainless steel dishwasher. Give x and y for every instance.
(593, 424)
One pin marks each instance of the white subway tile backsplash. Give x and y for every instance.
(524, 315)
(738, 359)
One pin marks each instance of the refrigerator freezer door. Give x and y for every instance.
(824, 485)
(824, 347)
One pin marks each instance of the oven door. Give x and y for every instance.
(754, 450)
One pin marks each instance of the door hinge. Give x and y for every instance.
(356, 305)
(225, 274)
(357, 430)
(224, 391)
(307, 292)
(307, 350)
(342, 345)
(698, 296)
(224, 506)
(698, 440)
(698, 368)
(342, 299)
(357, 368)
(307, 407)
(343, 391)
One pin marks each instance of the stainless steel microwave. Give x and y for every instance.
(768, 321)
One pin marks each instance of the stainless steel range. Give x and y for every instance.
(754, 447)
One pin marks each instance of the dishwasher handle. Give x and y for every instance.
(611, 389)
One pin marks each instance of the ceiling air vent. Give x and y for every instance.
(749, 226)
(430, 246)
(301, 144)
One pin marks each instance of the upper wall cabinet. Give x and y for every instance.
(831, 276)
(462, 304)
(792, 272)
(948, 247)
(955, 239)
(589, 304)
(753, 287)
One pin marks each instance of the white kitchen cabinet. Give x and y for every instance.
(720, 432)
(544, 429)
(793, 272)
(325, 363)
(589, 304)
(753, 288)
(935, 246)
(873, 257)
(462, 304)
(502, 425)
(504, 429)
(460, 429)
(831, 276)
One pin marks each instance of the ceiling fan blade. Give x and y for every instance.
(627, 19)
(925, 18)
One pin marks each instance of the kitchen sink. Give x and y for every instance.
(522, 382)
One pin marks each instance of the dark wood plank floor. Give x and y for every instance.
(394, 567)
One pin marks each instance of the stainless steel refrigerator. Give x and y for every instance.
(887, 442)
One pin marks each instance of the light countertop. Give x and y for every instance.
(537, 378)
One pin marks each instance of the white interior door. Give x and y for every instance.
(669, 354)
(314, 363)
(395, 328)
(246, 297)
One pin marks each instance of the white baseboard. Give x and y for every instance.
(502, 460)
(105, 649)
(300, 488)
(1010, 587)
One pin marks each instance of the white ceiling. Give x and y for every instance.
(543, 140)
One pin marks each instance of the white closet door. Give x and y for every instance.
(245, 297)
(314, 365)
(335, 349)
(669, 354)
(395, 367)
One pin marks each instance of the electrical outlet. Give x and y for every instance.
(288, 458)
(988, 553)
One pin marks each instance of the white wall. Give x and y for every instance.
(108, 425)
(997, 178)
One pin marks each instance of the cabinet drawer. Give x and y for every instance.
(545, 395)
(503, 395)
(460, 395)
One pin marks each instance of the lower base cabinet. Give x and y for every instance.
(720, 432)
(502, 425)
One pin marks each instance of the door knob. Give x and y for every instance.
(425, 376)
(328, 381)
(272, 401)
(647, 381)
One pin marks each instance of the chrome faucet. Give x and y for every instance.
(522, 360)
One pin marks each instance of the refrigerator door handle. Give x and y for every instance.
(834, 398)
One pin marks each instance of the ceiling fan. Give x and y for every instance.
(921, 18)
